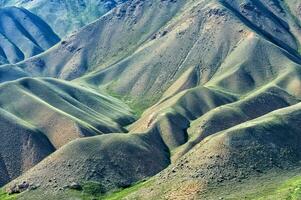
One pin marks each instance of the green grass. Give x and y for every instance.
(93, 190)
(5, 196)
(138, 107)
(289, 190)
(125, 192)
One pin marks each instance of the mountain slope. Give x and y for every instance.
(22, 147)
(66, 16)
(8, 73)
(23, 35)
(105, 59)
(218, 84)
(240, 152)
(103, 42)
(39, 116)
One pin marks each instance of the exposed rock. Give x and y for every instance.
(75, 186)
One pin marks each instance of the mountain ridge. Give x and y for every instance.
(23, 35)
(66, 17)
(215, 87)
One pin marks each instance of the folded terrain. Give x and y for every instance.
(39, 116)
(216, 86)
(66, 17)
(233, 155)
(23, 35)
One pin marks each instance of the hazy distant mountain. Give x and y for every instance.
(23, 35)
(68, 15)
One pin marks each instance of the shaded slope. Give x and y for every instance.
(171, 118)
(114, 160)
(9, 73)
(214, 160)
(168, 121)
(238, 63)
(21, 146)
(66, 16)
(196, 41)
(23, 35)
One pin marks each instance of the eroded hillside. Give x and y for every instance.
(215, 88)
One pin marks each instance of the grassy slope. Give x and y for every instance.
(268, 185)
(264, 143)
(114, 161)
(48, 104)
(104, 42)
(251, 86)
(56, 110)
(136, 72)
(273, 185)
(247, 61)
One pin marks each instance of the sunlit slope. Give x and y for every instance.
(204, 37)
(199, 160)
(238, 153)
(217, 84)
(183, 122)
(104, 42)
(23, 35)
(141, 49)
(53, 111)
(63, 111)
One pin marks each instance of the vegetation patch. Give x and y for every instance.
(138, 106)
(93, 188)
(95, 191)
(289, 190)
(5, 196)
(125, 192)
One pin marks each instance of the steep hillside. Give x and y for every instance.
(22, 146)
(111, 161)
(104, 42)
(66, 16)
(23, 35)
(41, 115)
(152, 41)
(217, 86)
(234, 155)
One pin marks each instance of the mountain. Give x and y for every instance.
(208, 92)
(39, 116)
(23, 35)
(233, 156)
(65, 17)
(8, 73)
